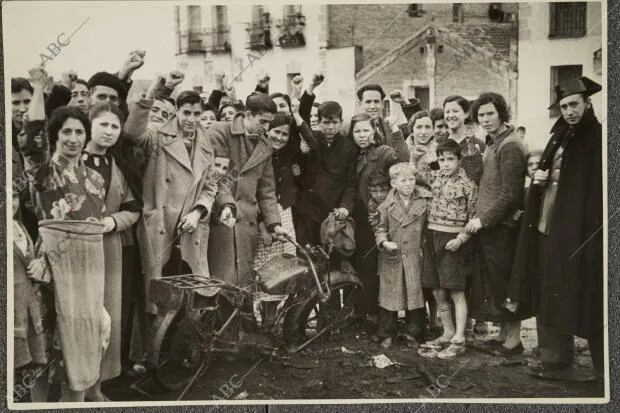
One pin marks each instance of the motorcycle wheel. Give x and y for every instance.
(311, 319)
(184, 348)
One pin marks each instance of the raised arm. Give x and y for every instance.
(305, 133)
(262, 83)
(219, 90)
(136, 127)
(34, 143)
(399, 145)
(307, 98)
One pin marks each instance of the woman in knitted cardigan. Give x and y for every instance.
(500, 195)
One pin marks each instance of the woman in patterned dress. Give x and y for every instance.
(69, 200)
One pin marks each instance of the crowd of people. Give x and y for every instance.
(453, 219)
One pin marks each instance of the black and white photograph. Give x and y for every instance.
(240, 203)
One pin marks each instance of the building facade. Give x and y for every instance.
(557, 41)
(340, 40)
(471, 48)
(245, 41)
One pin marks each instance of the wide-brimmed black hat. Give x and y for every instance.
(582, 85)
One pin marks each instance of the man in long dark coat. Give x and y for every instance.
(558, 270)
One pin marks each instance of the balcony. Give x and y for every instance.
(205, 41)
(259, 36)
(291, 31)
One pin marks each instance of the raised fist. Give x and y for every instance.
(263, 79)
(317, 79)
(135, 60)
(174, 78)
(397, 96)
(220, 80)
(296, 85)
(38, 75)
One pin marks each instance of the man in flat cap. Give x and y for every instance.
(558, 268)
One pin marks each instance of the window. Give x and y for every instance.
(422, 93)
(291, 27)
(259, 30)
(219, 41)
(292, 10)
(561, 74)
(415, 10)
(458, 13)
(193, 19)
(194, 27)
(567, 19)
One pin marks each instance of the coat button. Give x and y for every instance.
(168, 180)
(252, 223)
(163, 231)
(196, 242)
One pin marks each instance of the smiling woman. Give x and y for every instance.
(68, 198)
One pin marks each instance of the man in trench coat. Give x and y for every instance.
(558, 267)
(179, 190)
(251, 188)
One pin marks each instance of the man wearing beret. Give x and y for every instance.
(558, 268)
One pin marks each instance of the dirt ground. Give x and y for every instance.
(337, 368)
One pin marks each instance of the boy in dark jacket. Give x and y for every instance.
(328, 181)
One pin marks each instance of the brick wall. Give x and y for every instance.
(362, 25)
(455, 74)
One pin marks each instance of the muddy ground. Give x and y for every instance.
(325, 371)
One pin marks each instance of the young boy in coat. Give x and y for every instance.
(402, 220)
